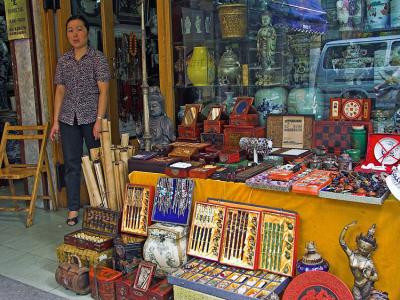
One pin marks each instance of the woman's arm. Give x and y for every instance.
(58, 100)
(102, 107)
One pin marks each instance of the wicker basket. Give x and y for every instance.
(233, 20)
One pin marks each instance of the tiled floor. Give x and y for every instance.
(29, 254)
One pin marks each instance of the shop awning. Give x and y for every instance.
(299, 15)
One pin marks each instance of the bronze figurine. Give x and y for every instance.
(361, 264)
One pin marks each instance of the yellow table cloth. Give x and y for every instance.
(321, 220)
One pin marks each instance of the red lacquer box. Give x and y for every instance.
(191, 133)
(233, 134)
(312, 183)
(229, 156)
(243, 113)
(160, 291)
(202, 172)
(104, 287)
(123, 286)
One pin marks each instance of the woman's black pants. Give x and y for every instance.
(72, 144)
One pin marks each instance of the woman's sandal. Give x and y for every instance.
(72, 221)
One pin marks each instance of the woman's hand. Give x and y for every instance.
(54, 132)
(97, 129)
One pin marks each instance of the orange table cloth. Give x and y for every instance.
(321, 220)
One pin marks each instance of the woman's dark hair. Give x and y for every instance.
(78, 17)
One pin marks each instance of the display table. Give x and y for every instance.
(321, 220)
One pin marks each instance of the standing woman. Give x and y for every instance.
(82, 79)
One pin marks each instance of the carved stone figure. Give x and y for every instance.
(266, 48)
(161, 127)
(361, 264)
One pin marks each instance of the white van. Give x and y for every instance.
(358, 68)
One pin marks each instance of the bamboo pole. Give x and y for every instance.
(108, 166)
(124, 139)
(100, 181)
(117, 185)
(93, 190)
(122, 180)
(95, 154)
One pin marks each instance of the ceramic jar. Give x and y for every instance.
(270, 101)
(229, 68)
(201, 67)
(377, 14)
(395, 13)
(233, 20)
(359, 139)
(306, 101)
(166, 246)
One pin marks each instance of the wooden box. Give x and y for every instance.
(162, 290)
(216, 139)
(99, 227)
(103, 286)
(243, 113)
(335, 135)
(230, 156)
(153, 165)
(183, 153)
(242, 176)
(312, 183)
(278, 239)
(280, 129)
(202, 172)
(240, 238)
(123, 286)
(191, 125)
(214, 126)
(178, 170)
(216, 119)
(138, 206)
(233, 134)
(215, 279)
(350, 109)
(87, 257)
(209, 158)
(206, 231)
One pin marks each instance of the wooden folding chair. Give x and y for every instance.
(22, 171)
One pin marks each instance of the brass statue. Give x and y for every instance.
(266, 48)
(361, 264)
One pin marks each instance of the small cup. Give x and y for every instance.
(354, 154)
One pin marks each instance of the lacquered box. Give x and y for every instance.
(206, 231)
(216, 139)
(202, 172)
(191, 133)
(137, 209)
(153, 165)
(88, 257)
(278, 242)
(226, 282)
(214, 126)
(229, 156)
(312, 183)
(178, 171)
(103, 283)
(233, 134)
(240, 238)
(243, 113)
(99, 227)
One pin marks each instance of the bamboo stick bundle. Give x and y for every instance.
(93, 190)
(116, 153)
(117, 185)
(123, 179)
(130, 151)
(124, 139)
(108, 165)
(100, 181)
(95, 154)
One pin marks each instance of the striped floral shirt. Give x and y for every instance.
(80, 81)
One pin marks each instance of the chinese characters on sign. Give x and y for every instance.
(17, 19)
(293, 132)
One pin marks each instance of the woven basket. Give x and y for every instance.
(233, 20)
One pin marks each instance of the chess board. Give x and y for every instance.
(335, 135)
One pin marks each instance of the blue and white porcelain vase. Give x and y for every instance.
(394, 13)
(377, 14)
(306, 101)
(312, 260)
(270, 101)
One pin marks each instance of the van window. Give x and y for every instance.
(395, 54)
(355, 55)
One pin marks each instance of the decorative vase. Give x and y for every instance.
(306, 101)
(270, 101)
(233, 20)
(377, 13)
(166, 246)
(201, 67)
(359, 139)
(229, 68)
(395, 13)
(312, 260)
